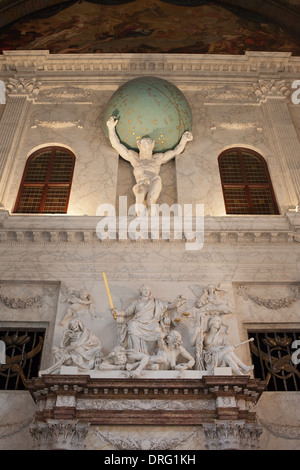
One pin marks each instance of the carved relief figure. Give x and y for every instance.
(211, 302)
(218, 352)
(170, 350)
(80, 300)
(125, 359)
(146, 165)
(149, 320)
(79, 347)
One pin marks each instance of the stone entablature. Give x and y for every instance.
(78, 396)
(200, 65)
(212, 402)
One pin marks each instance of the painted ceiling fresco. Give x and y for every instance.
(137, 26)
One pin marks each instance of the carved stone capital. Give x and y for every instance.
(265, 89)
(23, 87)
(59, 434)
(232, 435)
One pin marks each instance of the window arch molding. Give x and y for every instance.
(246, 183)
(46, 182)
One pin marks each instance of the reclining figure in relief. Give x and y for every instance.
(170, 349)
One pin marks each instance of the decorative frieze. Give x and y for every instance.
(56, 124)
(153, 441)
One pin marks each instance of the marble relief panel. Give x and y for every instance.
(89, 302)
(32, 304)
(267, 306)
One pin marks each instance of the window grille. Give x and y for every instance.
(246, 183)
(23, 356)
(46, 183)
(273, 356)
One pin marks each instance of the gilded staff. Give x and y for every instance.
(109, 296)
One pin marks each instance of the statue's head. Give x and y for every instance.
(75, 325)
(214, 322)
(146, 146)
(118, 355)
(174, 338)
(145, 290)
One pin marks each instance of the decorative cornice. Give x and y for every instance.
(183, 67)
(68, 393)
(49, 230)
(89, 237)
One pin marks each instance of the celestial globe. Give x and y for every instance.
(149, 107)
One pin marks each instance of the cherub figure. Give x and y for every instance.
(210, 302)
(79, 300)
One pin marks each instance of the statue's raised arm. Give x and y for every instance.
(127, 154)
(169, 154)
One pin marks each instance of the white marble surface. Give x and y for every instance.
(259, 252)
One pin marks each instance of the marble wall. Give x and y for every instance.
(257, 255)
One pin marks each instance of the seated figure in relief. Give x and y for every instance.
(218, 352)
(79, 347)
(146, 164)
(149, 321)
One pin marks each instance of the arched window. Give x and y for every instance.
(46, 182)
(246, 183)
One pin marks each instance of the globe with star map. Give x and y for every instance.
(149, 107)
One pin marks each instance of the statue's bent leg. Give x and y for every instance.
(154, 190)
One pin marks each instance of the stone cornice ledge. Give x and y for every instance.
(120, 66)
(229, 230)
